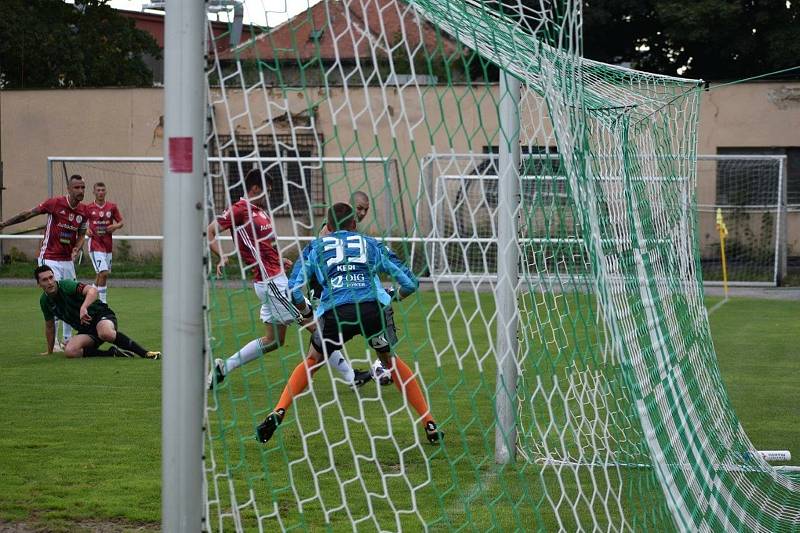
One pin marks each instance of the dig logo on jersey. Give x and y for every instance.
(352, 251)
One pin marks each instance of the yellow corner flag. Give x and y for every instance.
(723, 232)
(721, 228)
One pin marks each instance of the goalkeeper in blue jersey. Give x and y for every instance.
(360, 202)
(353, 302)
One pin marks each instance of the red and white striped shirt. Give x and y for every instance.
(252, 231)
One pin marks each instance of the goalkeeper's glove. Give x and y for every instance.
(305, 315)
(394, 294)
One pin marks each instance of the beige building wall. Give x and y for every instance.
(747, 115)
(393, 124)
(42, 123)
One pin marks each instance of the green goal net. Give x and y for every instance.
(545, 202)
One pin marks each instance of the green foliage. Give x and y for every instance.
(15, 254)
(713, 39)
(122, 251)
(49, 43)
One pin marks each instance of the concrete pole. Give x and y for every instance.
(183, 332)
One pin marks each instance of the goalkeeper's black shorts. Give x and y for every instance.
(370, 319)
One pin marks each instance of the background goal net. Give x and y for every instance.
(750, 193)
(460, 218)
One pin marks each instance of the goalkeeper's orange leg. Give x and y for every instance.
(297, 383)
(409, 387)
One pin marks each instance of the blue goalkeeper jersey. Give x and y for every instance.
(347, 265)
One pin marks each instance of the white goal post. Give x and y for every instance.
(749, 189)
(134, 184)
(458, 202)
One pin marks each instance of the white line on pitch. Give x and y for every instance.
(488, 478)
(717, 306)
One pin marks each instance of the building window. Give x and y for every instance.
(754, 182)
(303, 181)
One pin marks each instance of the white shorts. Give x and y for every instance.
(100, 261)
(276, 303)
(61, 269)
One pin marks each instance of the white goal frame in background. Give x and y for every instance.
(430, 185)
(385, 162)
(430, 204)
(778, 209)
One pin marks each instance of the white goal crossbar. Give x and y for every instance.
(465, 171)
(447, 163)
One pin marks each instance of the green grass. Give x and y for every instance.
(81, 439)
(123, 269)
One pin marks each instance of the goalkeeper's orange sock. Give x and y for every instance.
(407, 384)
(297, 383)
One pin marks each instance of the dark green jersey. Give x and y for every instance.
(66, 304)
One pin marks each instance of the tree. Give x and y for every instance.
(48, 43)
(710, 39)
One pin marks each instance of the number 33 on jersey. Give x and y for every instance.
(347, 264)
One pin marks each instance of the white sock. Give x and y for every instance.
(342, 365)
(251, 351)
(59, 340)
(67, 331)
(102, 293)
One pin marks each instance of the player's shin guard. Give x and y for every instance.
(102, 293)
(126, 343)
(250, 352)
(407, 384)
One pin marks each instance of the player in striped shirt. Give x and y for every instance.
(254, 236)
(64, 232)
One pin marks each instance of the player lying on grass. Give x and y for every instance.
(77, 305)
(252, 231)
(352, 303)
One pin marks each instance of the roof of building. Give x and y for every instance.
(333, 29)
(153, 23)
(330, 29)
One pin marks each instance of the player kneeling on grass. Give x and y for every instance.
(77, 305)
(352, 303)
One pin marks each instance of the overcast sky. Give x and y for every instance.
(255, 11)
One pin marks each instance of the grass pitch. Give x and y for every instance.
(81, 440)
